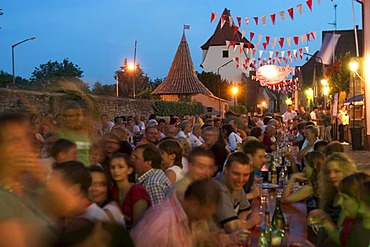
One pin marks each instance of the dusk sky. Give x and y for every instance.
(98, 35)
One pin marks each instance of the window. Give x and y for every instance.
(209, 109)
(225, 54)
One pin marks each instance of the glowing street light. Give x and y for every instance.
(324, 82)
(353, 66)
(234, 91)
(263, 103)
(326, 90)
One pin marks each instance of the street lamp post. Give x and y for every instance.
(13, 46)
(234, 90)
(219, 86)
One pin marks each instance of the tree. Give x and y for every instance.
(339, 74)
(51, 75)
(212, 82)
(100, 89)
(126, 79)
(6, 80)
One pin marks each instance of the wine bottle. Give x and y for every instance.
(269, 177)
(263, 241)
(278, 221)
(274, 174)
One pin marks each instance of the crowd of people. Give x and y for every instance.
(72, 180)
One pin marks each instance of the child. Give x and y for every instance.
(64, 150)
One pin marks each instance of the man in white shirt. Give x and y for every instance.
(289, 114)
(313, 115)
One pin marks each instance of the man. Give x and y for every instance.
(69, 182)
(147, 163)
(170, 131)
(238, 131)
(170, 224)
(150, 137)
(343, 121)
(64, 150)
(313, 114)
(185, 129)
(201, 166)
(73, 129)
(106, 124)
(211, 135)
(320, 115)
(234, 211)
(289, 114)
(267, 138)
(139, 123)
(303, 114)
(256, 153)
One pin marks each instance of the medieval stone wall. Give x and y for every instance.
(46, 102)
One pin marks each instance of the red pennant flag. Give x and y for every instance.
(228, 43)
(273, 18)
(308, 36)
(235, 29)
(267, 39)
(237, 66)
(256, 20)
(289, 53)
(259, 59)
(249, 45)
(281, 42)
(313, 35)
(291, 13)
(296, 39)
(213, 16)
(301, 51)
(251, 35)
(239, 20)
(236, 59)
(273, 61)
(264, 45)
(254, 52)
(309, 4)
(276, 53)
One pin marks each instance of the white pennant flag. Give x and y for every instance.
(228, 44)
(306, 49)
(243, 33)
(295, 52)
(289, 40)
(241, 47)
(282, 15)
(259, 38)
(235, 46)
(282, 53)
(271, 53)
(263, 20)
(260, 52)
(274, 40)
(303, 38)
(246, 21)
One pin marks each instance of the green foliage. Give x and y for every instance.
(100, 89)
(212, 82)
(127, 78)
(338, 74)
(167, 108)
(240, 109)
(50, 76)
(6, 80)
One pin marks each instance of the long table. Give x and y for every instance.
(297, 213)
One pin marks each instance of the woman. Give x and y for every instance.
(232, 137)
(360, 236)
(99, 192)
(132, 199)
(195, 135)
(337, 166)
(171, 153)
(313, 163)
(350, 194)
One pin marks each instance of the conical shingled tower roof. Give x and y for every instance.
(181, 78)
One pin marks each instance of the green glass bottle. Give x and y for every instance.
(278, 221)
(272, 173)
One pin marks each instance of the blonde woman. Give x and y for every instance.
(336, 167)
